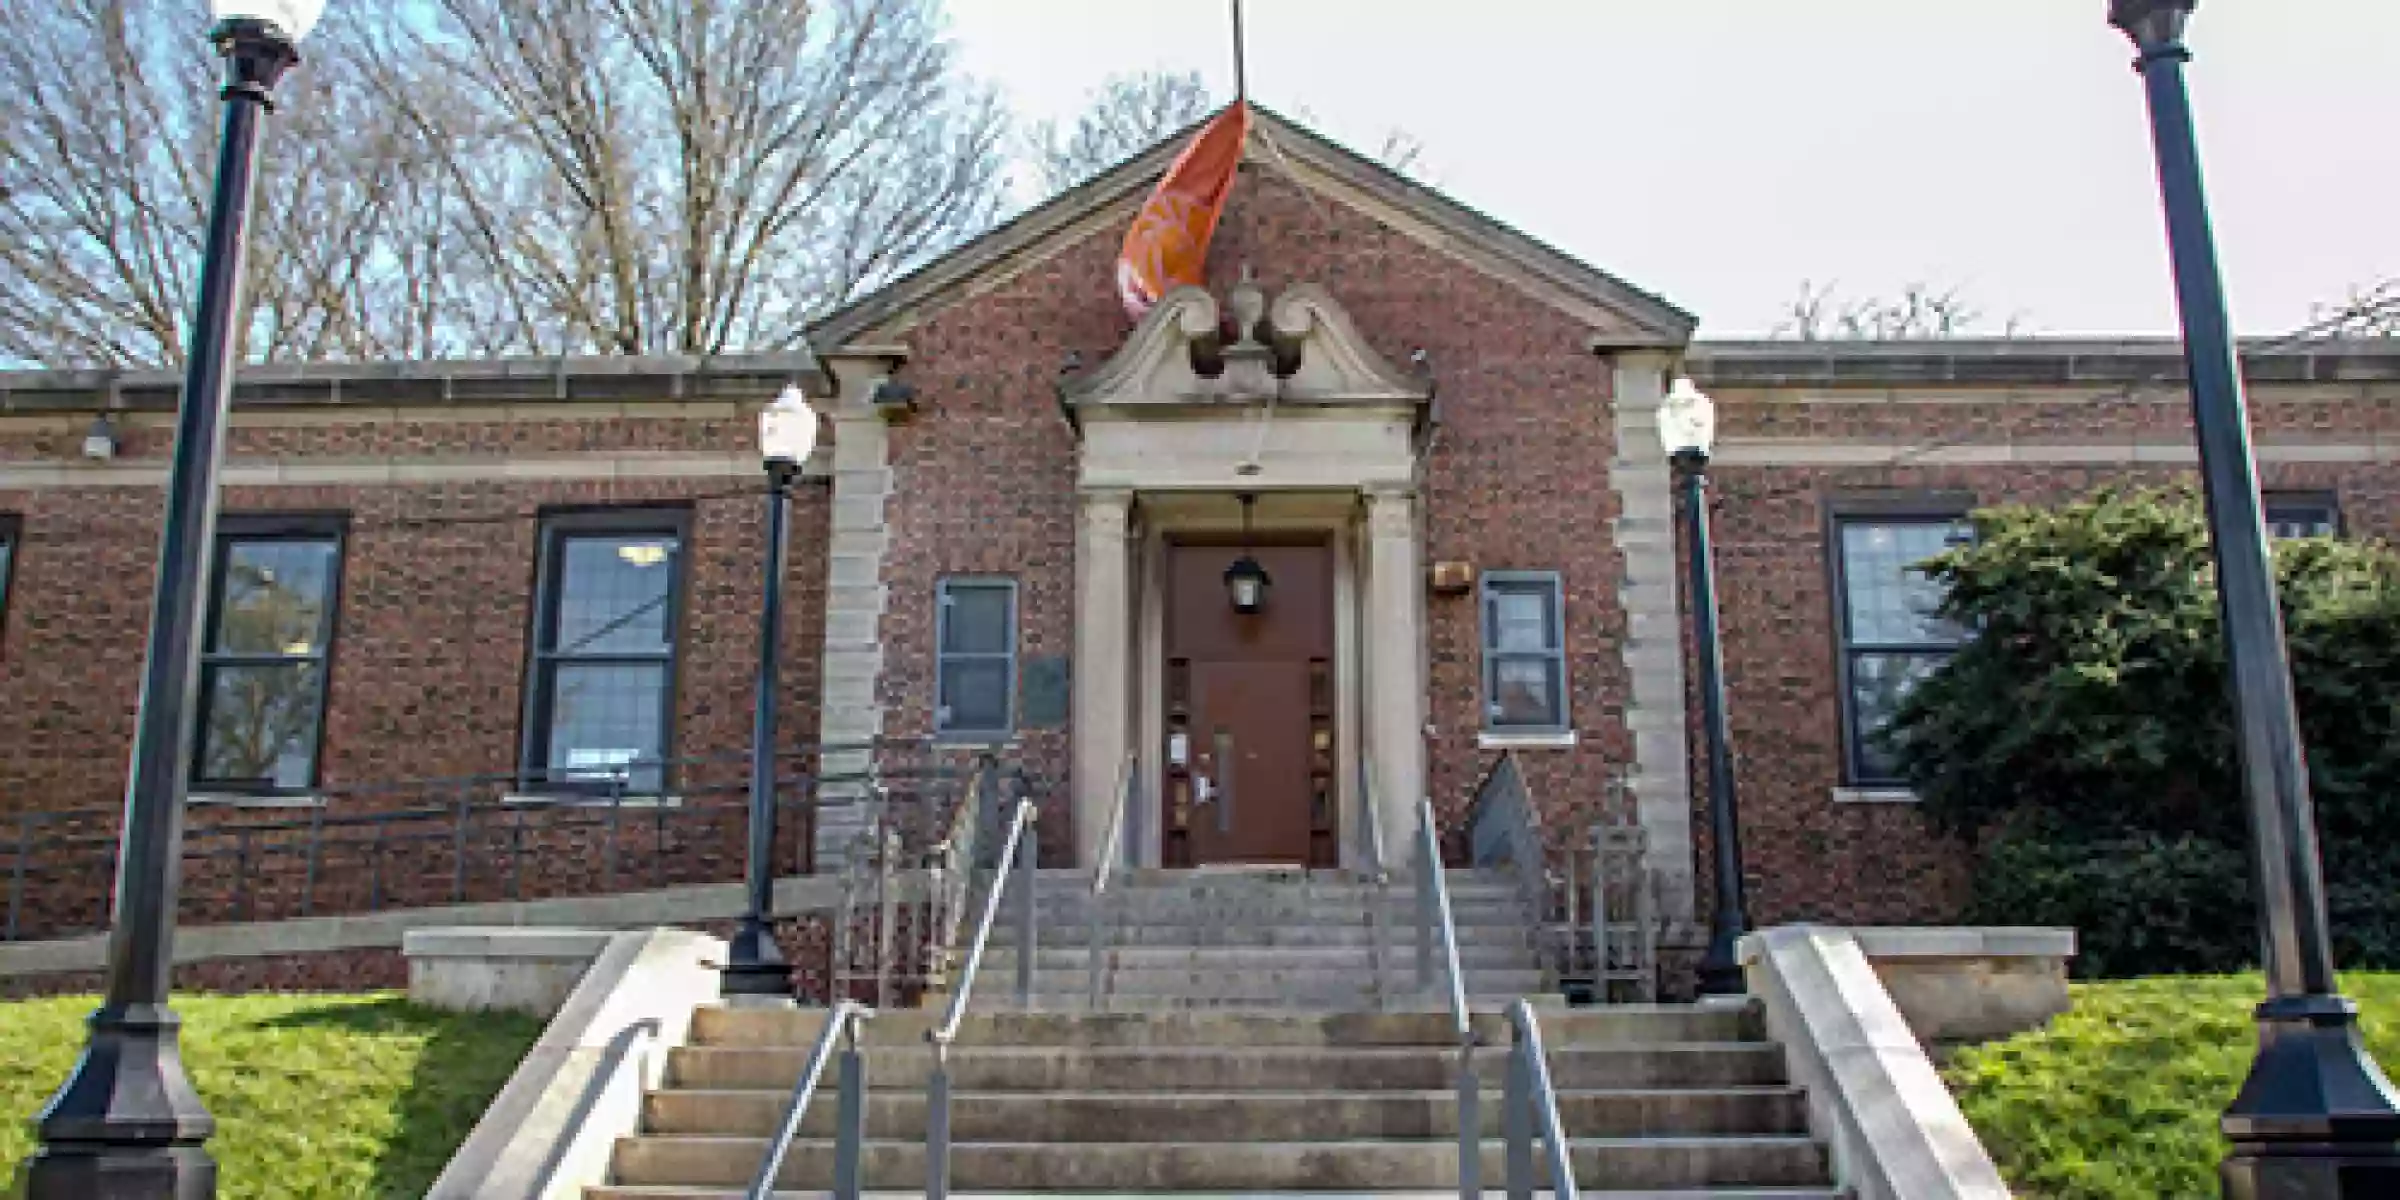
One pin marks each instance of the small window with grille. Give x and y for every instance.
(975, 670)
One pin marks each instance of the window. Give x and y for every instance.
(975, 674)
(1524, 652)
(9, 534)
(262, 667)
(2303, 514)
(1891, 637)
(603, 688)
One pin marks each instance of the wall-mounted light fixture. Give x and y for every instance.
(894, 399)
(1246, 582)
(100, 441)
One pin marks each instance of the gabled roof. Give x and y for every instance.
(1620, 314)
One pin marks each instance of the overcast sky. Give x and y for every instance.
(1719, 152)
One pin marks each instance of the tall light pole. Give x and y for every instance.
(1687, 425)
(2316, 1119)
(127, 1125)
(754, 965)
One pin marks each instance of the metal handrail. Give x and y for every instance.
(1095, 954)
(1379, 863)
(372, 846)
(850, 1127)
(1021, 852)
(1530, 1104)
(1502, 825)
(1435, 923)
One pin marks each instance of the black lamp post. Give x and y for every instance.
(127, 1124)
(2316, 1119)
(754, 965)
(1687, 425)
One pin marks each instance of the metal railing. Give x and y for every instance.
(420, 843)
(1529, 1106)
(1375, 871)
(1096, 949)
(886, 946)
(850, 1122)
(1595, 916)
(1436, 926)
(1019, 856)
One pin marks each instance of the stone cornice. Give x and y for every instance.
(468, 383)
(2023, 362)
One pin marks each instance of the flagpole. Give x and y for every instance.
(1241, 81)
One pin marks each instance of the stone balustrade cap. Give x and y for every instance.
(499, 941)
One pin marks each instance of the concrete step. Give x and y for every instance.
(1234, 1116)
(632, 1191)
(1290, 905)
(1327, 984)
(1350, 959)
(1221, 881)
(1211, 1069)
(1410, 1001)
(1354, 936)
(1656, 1162)
(1646, 1023)
(796, 1028)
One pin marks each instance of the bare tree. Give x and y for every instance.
(1127, 115)
(2370, 311)
(488, 176)
(1920, 311)
(652, 176)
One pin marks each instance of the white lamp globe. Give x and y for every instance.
(1687, 420)
(294, 17)
(787, 429)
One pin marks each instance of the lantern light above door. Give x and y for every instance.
(1246, 582)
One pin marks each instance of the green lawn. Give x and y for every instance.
(315, 1096)
(2119, 1099)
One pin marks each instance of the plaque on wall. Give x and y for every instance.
(1045, 691)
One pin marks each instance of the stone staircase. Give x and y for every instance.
(1249, 1047)
(1259, 938)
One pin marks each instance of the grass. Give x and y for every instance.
(315, 1096)
(2119, 1098)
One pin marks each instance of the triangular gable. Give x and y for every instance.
(1619, 314)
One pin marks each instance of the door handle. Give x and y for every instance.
(1224, 780)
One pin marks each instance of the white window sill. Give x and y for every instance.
(976, 741)
(1873, 795)
(266, 800)
(1559, 739)
(588, 800)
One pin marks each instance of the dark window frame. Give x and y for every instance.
(232, 529)
(555, 527)
(943, 589)
(1918, 508)
(12, 536)
(1554, 587)
(2285, 504)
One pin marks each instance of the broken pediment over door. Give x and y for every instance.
(1247, 395)
(1191, 350)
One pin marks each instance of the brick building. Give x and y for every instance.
(1020, 530)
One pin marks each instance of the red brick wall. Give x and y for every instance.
(985, 474)
(1806, 857)
(428, 660)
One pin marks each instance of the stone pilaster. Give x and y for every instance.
(1394, 641)
(1659, 778)
(1103, 699)
(851, 711)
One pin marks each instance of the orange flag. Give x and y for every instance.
(1167, 247)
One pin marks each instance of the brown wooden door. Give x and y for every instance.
(1249, 710)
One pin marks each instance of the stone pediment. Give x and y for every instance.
(1192, 351)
